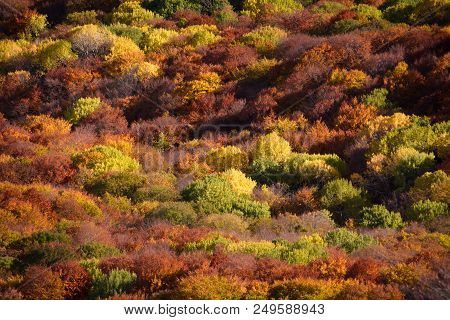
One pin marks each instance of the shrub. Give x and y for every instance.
(76, 281)
(432, 185)
(426, 210)
(408, 163)
(329, 7)
(47, 254)
(118, 184)
(83, 17)
(250, 209)
(123, 56)
(81, 109)
(72, 204)
(200, 35)
(417, 135)
(44, 128)
(114, 283)
(212, 194)
(256, 70)
(258, 8)
(9, 50)
(343, 199)
(54, 53)
(169, 7)
(377, 98)
(35, 24)
(102, 159)
(239, 182)
(90, 40)
(155, 39)
(303, 289)
(131, 12)
(206, 287)
(348, 240)
(272, 148)
(206, 83)
(40, 283)
(264, 39)
(40, 237)
(96, 250)
(378, 216)
(402, 274)
(225, 158)
(174, 212)
(227, 222)
(350, 79)
(146, 71)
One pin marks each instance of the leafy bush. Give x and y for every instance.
(45, 128)
(118, 184)
(54, 53)
(174, 212)
(155, 39)
(225, 158)
(377, 98)
(131, 13)
(41, 283)
(135, 34)
(47, 254)
(249, 208)
(264, 39)
(115, 282)
(83, 17)
(272, 148)
(206, 83)
(81, 109)
(102, 159)
(350, 79)
(343, 199)
(419, 135)
(304, 289)
(123, 56)
(378, 216)
(200, 35)
(146, 71)
(408, 163)
(209, 287)
(214, 194)
(434, 186)
(225, 222)
(239, 182)
(35, 24)
(9, 50)
(426, 210)
(257, 8)
(167, 8)
(91, 40)
(97, 250)
(348, 240)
